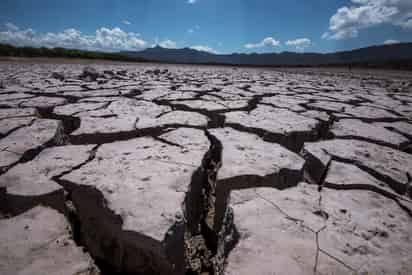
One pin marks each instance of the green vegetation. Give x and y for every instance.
(9, 50)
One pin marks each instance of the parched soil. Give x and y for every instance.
(172, 169)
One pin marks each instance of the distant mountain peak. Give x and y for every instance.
(374, 54)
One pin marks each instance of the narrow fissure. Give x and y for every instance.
(397, 186)
(206, 248)
(70, 123)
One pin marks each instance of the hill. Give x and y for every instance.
(398, 56)
(395, 55)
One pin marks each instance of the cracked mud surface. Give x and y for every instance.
(149, 169)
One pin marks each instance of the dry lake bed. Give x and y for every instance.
(172, 169)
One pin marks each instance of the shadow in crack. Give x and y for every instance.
(118, 251)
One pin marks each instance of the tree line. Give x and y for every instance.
(13, 51)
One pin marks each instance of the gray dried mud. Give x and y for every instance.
(167, 169)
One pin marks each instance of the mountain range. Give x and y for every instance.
(382, 54)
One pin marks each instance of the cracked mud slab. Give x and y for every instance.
(156, 173)
(16, 112)
(364, 230)
(14, 145)
(174, 118)
(348, 128)
(168, 169)
(270, 242)
(289, 128)
(10, 124)
(142, 183)
(31, 183)
(390, 165)
(119, 116)
(39, 242)
(247, 154)
(278, 232)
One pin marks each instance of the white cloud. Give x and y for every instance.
(204, 49)
(191, 1)
(192, 30)
(126, 22)
(300, 43)
(362, 14)
(168, 44)
(341, 34)
(11, 27)
(104, 39)
(390, 41)
(266, 42)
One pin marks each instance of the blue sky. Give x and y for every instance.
(222, 26)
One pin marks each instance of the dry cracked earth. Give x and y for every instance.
(161, 169)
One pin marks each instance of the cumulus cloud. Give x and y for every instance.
(362, 14)
(204, 49)
(104, 39)
(266, 42)
(126, 22)
(300, 43)
(390, 41)
(168, 44)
